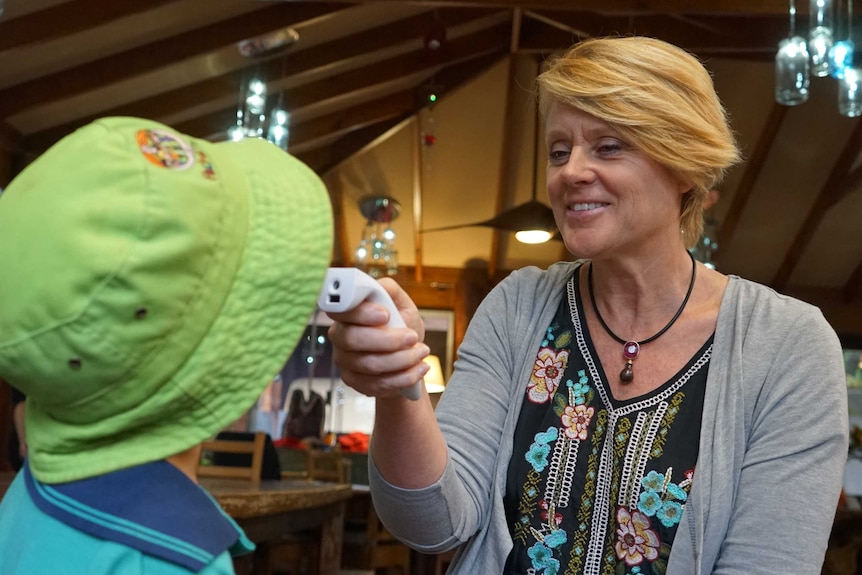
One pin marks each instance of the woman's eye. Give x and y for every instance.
(558, 155)
(609, 147)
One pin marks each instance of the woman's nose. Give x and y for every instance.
(578, 169)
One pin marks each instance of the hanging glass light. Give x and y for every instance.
(850, 93)
(253, 112)
(792, 66)
(235, 132)
(841, 53)
(279, 131)
(376, 253)
(820, 37)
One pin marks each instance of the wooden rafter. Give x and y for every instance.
(753, 167)
(837, 186)
(140, 60)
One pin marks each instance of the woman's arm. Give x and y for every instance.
(792, 469)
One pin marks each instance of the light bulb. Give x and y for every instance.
(533, 236)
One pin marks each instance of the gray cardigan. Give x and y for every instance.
(772, 450)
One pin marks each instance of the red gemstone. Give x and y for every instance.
(631, 350)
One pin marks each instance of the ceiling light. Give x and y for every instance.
(533, 236)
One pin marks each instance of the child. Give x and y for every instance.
(152, 285)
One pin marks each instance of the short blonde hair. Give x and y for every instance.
(659, 97)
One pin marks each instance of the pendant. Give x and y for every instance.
(630, 351)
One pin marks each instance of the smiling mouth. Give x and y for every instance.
(585, 207)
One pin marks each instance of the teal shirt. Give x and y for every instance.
(142, 521)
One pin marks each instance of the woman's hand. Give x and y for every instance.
(374, 359)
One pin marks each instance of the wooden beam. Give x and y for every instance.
(417, 151)
(68, 18)
(327, 159)
(749, 7)
(753, 167)
(225, 87)
(513, 128)
(461, 55)
(136, 61)
(392, 69)
(706, 35)
(836, 187)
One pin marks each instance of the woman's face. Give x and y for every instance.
(609, 198)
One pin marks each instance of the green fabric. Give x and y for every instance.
(152, 286)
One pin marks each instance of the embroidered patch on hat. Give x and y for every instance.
(166, 150)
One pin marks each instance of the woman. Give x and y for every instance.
(633, 412)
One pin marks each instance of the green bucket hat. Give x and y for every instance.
(152, 285)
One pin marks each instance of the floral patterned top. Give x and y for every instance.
(591, 488)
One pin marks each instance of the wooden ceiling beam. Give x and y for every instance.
(392, 69)
(508, 155)
(706, 35)
(226, 86)
(447, 80)
(463, 51)
(753, 167)
(360, 118)
(837, 186)
(136, 61)
(742, 7)
(316, 133)
(324, 160)
(68, 18)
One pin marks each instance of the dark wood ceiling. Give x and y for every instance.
(360, 74)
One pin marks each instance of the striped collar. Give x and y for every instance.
(153, 508)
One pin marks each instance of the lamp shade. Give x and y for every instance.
(434, 381)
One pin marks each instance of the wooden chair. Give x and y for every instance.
(367, 543)
(254, 448)
(327, 465)
(297, 553)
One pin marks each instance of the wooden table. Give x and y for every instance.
(271, 509)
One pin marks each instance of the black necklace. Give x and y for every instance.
(631, 349)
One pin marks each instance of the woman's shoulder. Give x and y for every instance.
(750, 294)
(532, 276)
(759, 307)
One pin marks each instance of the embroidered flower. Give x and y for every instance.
(543, 558)
(576, 421)
(650, 502)
(654, 481)
(547, 373)
(537, 456)
(670, 513)
(662, 498)
(636, 542)
(555, 538)
(676, 492)
(545, 437)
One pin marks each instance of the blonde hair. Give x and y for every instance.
(659, 97)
